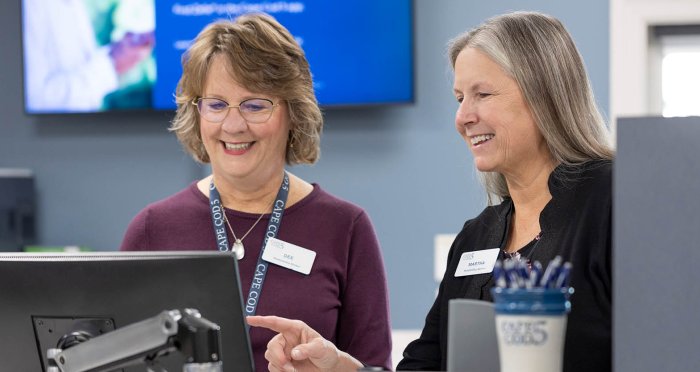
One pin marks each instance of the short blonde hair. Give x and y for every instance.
(263, 57)
(538, 53)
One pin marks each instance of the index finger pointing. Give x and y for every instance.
(275, 323)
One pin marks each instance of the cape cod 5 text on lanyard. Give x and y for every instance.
(217, 216)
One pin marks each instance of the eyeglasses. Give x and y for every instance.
(254, 110)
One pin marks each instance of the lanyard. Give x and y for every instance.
(217, 216)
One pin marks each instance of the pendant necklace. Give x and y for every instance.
(237, 246)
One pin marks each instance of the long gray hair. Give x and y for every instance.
(538, 53)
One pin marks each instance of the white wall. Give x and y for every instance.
(629, 50)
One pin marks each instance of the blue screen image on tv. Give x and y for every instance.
(75, 60)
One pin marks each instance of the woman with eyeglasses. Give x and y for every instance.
(246, 105)
(527, 114)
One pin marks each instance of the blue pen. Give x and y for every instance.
(535, 273)
(517, 268)
(512, 274)
(553, 275)
(549, 272)
(522, 269)
(555, 272)
(524, 274)
(564, 275)
(499, 274)
(506, 273)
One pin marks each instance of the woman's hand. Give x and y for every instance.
(299, 348)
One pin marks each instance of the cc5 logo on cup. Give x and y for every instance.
(524, 332)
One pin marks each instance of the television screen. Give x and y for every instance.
(105, 55)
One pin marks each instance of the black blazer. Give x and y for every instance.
(576, 224)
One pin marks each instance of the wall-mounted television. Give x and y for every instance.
(111, 55)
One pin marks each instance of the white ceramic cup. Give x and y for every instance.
(530, 327)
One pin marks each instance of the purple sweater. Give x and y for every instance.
(344, 297)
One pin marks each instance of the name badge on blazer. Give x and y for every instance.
(288, 255)
(477, 262)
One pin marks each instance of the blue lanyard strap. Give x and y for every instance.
(273, 226)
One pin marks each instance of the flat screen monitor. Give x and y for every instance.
(46, 296)
(17, 209)
(360, 52)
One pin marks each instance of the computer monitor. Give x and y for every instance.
(45, 296)
(17, 209)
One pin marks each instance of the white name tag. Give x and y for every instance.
(477, 262)
(288, 255)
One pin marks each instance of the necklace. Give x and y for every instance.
(237, 246)
(524, 253)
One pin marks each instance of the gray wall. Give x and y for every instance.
(656, 256)
(405, 165)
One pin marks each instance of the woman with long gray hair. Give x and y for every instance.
(527, 114)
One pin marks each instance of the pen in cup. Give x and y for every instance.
(516, 274)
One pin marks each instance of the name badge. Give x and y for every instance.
(288, 255)
(477, 262)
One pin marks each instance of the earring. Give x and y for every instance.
(291, 140)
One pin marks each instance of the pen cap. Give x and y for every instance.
(533, 301)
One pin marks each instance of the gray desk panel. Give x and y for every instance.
(656, 245)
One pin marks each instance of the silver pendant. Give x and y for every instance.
(238, 249)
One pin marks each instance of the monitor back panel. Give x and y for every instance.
(123, 291)
(472, 345)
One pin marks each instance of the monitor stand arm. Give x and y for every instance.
(144, 342)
